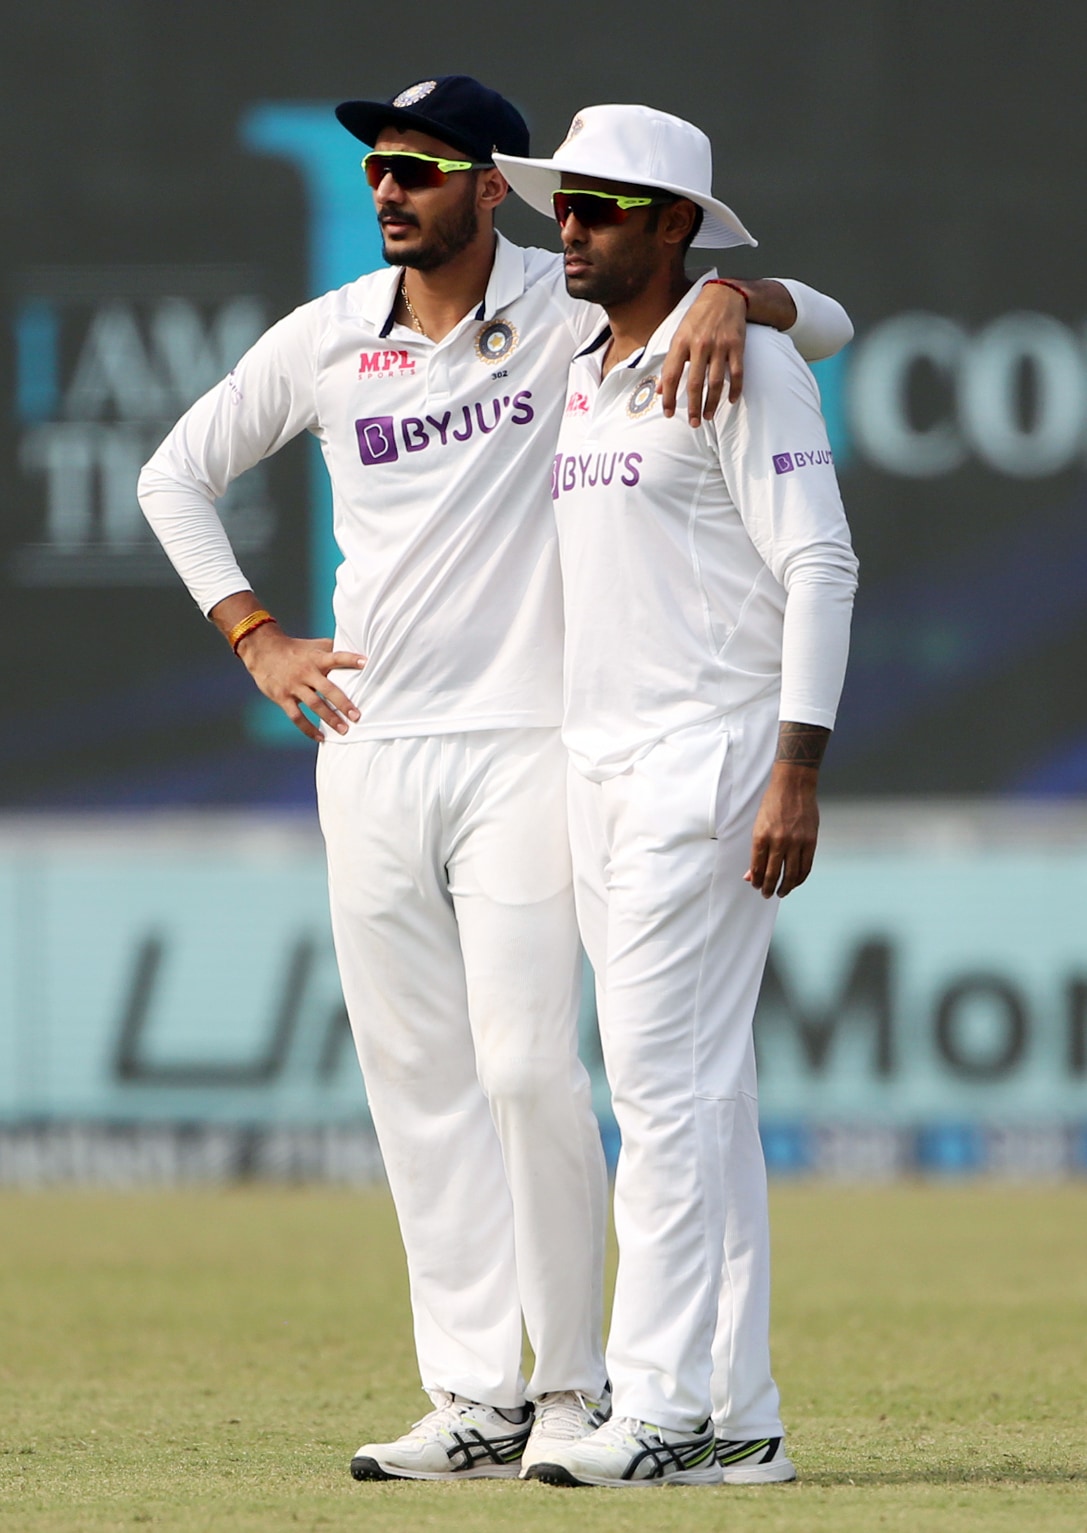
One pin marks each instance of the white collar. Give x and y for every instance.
(505, 284)
(659, 342)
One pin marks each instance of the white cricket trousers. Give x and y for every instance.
(453, 921)
(678, 942)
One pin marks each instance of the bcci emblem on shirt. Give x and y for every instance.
(643, 396)
(496, 341)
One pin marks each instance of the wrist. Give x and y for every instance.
(259, 637)
(799, 773)
(728, 282)
(249, 624)
(801, 746)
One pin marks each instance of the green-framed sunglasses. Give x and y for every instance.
(594, 209)
(412, 171)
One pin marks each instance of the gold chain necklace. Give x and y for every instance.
(416, 322)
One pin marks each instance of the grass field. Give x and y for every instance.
(210, 1360)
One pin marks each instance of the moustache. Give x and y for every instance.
(397, 218)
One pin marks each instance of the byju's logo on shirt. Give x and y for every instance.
(380, 436)
(586, 471)
(786, 462)
(377, 440)
(381, 363)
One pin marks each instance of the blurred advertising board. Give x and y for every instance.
(152, 230)
(169, 985)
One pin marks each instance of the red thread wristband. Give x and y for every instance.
(735, 286)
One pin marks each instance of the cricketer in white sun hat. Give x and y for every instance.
(632, 144)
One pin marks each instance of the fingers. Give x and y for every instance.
(294, 673)
(791, 877)
(339, 701)
(668, 387)
(319, 704)
(779, 867)
(342, 660)
(301, 722)
(707, 372)
(771, 878)
(717, 374)
(334, 710)
(329, 660)
(756, 873)
(696, 385)
(796, 869)
(322, 696)
(735, 377)
(328, 692)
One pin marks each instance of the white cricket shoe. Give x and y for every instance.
(627, 1452)
(563, 1416)
(458, 1439)
(760, 1461)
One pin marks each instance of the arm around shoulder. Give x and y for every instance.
(822, 326)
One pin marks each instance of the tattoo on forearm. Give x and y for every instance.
(801, 744)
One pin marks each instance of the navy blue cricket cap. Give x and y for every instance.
(454, 108)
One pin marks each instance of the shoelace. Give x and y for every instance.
(562, 1412)
(442, 1417)
(627, 1429)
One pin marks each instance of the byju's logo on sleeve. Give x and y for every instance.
(377, 440)
(786, 462)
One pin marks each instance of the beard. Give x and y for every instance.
(449, 234)
(625, 274)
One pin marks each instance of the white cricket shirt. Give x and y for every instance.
(703, 571)
(439, 456)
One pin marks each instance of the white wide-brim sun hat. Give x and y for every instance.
(637, 146)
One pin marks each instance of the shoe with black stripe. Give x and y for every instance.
(457, 1440)
(760, 1461)
(626, 1452)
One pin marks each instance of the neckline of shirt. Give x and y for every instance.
(659, 342)
(505, 284)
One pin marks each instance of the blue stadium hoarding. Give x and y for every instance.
(925, 1006)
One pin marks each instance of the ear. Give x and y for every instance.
(677, 220)
(491, 188)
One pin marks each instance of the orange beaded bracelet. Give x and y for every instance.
(247, 625)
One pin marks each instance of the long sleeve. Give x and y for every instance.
(264, 402)
(822, 326)
(779, 469)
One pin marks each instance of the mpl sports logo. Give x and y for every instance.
(380, 437)
(577, 404)
(379, 364)
(787, 462)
